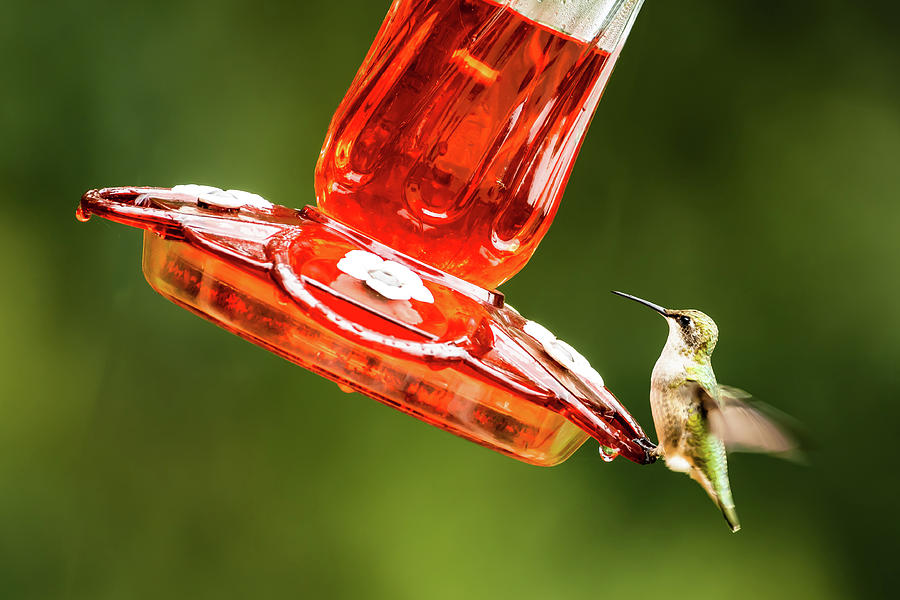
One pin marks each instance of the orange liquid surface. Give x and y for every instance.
(457, 137)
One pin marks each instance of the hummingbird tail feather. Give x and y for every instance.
(731, 516)
(721, 496)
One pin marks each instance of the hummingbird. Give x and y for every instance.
(697, 419)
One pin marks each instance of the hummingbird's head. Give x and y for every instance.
(690, 331)
(695, 330)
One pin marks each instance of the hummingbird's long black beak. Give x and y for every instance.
(655, 307)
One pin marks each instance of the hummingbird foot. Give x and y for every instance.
(651, 451)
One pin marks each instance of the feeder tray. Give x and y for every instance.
(337, 302)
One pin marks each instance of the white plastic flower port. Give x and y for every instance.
(390, 279)
(219, 198)
(563, 353)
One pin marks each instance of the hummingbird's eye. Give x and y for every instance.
(684, 321)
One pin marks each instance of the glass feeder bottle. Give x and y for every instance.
(457, 136)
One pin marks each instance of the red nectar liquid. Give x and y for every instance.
(457, 137)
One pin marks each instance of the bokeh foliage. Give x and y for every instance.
(744, 161)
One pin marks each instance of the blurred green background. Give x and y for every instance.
(743, 161)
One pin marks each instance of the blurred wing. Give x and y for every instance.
(745, 425)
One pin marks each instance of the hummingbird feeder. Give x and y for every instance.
(441, 171)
